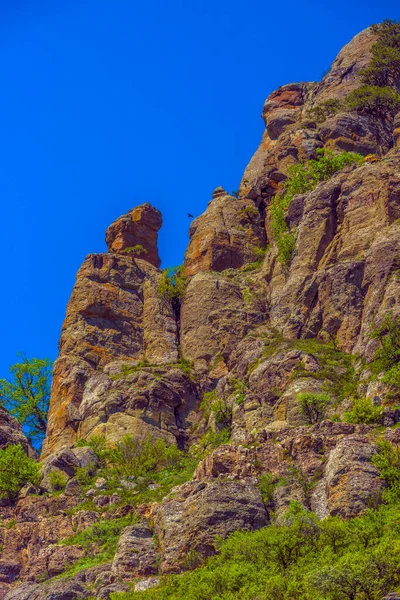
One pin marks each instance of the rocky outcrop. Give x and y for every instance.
(228, 235)
(342, 274)
(135, 234)
(188, 521)
(295, 127)
(136, 554)
(227, 352)
(115, 315)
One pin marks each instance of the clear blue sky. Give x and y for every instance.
(106, 104)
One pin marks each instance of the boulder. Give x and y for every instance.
(136, 553)
(188, 521)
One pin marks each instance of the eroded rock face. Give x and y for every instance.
(347, 251)
(228, 235)
(351, 478)
(202, 510)
(114, 315)
(135, 234)
(157, 401)
(215, 317)
(136, 553)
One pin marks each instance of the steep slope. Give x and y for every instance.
(223, 353)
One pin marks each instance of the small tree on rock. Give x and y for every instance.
(313, 406)
(27, 394)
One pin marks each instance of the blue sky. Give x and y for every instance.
(106, 104)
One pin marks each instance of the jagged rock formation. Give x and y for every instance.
(228, 235)
(136, 360)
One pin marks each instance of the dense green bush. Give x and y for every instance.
(379, 94)
(384, 67)
(302, 178)
(135, 457)
(57, 480)
(374, 100)
(301, 559)
(313, 406)
(387, 355)
(211, 404)
(16, 469)
(173, 283)
(364, 411)
(388, 462)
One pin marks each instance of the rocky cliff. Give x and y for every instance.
(231, 352)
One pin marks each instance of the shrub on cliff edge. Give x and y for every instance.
(16, 469)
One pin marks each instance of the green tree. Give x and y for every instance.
(16, 469)
(375, 100)
(364, 411)
(26, 394)
(387, 355)
(313, 406)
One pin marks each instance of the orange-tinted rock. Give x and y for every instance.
(135, 234)
(292, 134)
(114, 314)
(228, 235)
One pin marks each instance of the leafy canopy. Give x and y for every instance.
(387, 355)
(26, 394)
(16, 469)
(313, 406)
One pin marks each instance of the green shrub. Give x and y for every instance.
(211, 404)
(387, 356)
(303, 558)
(249, 210)
(266, 485)
(387, 460)
(320, 112)
(16, 469)
(173, 283)
(100, 446)
(136, 250)
(134, 457)
(85, 475)
(313, 406)
(303, 178)
(364, 411)
(378, 101)
(209, 441)
(57, 480)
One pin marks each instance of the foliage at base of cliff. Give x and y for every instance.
(301, 557)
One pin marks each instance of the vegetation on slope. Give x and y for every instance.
(26, 395)
(303, 177)
(302, 558)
